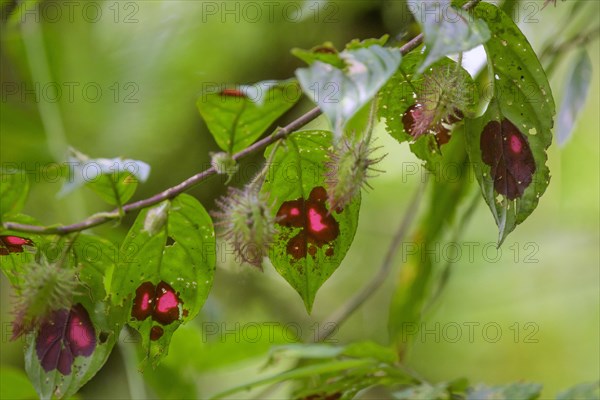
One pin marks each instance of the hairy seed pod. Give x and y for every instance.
(45, 288)
(348, 171)
(245, 219)
(442, 99)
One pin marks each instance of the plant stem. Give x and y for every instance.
(576, 42)
(259, 179)
(372, 120)
(445, 275)
(49, 111)
(171, 192)
(341, 314)
(33, 40)
(555, 53)
(137, 388)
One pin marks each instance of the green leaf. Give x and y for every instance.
(400, 93)
(447, 30)
(381, 371)
(438, 391)
(165, 271)
(359, 44)
(94, 257)
(454, 389)
(325, 53)
(237, 117)
(341, 93)
(368, 349)
(14, 187)
(345, 385)
(311, 243)
(305, 351)
(15, 385)
(114, 180)
(331, 367)
(205, 347)
(521, 391)
(328, 54)
(314, 377)
(115, 189)
(576, 90)
(458, 385)
(582, 391)
(521, 114)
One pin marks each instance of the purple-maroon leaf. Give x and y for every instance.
(70, 345)
(506, 150)
(507, 144)
(66, 334)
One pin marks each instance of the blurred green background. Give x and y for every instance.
(152, 59)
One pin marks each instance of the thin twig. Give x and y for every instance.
(341, 314)
(166, 194)
(576, 42)
(445, 275)
(171, 192)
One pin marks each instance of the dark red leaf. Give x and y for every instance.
(142, 303)
(323, 396)
(318, 226)
(455, 117)
(156, 332)
(416, 124)
(232, 93)
(323, 49)
(408, 120)
(442, 135)
(161, 302)
(65, 335)
(13, 244)
(166, 306)
(506, 150)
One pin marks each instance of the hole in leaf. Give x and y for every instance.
(103, 337)
(170, 241)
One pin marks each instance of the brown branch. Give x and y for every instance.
(171, 192)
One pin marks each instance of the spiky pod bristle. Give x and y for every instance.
(348, 170)
(45, 288)
(442, 99)
(244, 218)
